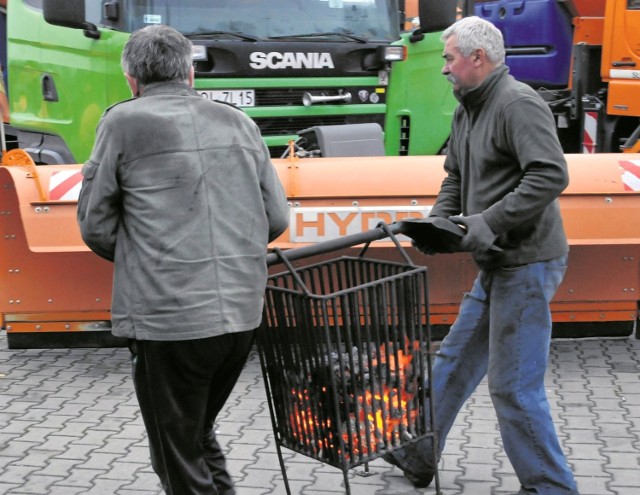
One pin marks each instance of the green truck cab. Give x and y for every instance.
(290, 65)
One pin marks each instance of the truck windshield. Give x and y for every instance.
(374, 20)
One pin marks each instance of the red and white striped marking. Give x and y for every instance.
(630, 174)
(589, 138)
(65, 185)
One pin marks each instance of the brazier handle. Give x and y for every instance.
(380, 232)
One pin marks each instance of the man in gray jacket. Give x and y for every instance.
(505, 170)
(180, 193)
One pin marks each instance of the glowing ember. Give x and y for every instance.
(377, 415)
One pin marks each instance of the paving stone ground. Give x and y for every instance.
(70, 425)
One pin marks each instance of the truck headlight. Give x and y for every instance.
(199, 52)
(394, 53)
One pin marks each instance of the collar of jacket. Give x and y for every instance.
(481, 92)
(168, 88)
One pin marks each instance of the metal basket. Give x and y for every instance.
(345, 354)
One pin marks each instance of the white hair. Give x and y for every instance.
(473, 33)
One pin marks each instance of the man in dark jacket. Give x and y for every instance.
(180, 193)
(505, 170)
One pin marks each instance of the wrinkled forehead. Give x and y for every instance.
(451, 47)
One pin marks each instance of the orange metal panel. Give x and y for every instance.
(588, 30)
(601, 218)
(586, 8)
(49, 225)
(621, 53)
(599, 274)
(594, 316)
(52, 322)
(623, 97)
(68, 317)
(598, 207)
(46, 269)
(613, 306)
(54, 277)
(601, 215)
(356, 177)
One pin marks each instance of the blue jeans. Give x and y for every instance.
(503, 330)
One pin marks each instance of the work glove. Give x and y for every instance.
(432, 235)
(479, 236)
(424, 248)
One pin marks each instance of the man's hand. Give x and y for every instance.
(424, 248)
(479, 236)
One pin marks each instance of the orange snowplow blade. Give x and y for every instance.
(52, 283)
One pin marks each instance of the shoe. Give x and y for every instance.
(422, 481)
(419, 481)
(391, 459)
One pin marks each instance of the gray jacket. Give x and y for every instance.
(181, 194)
(505, 162)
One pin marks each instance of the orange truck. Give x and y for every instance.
(55, 292)
(583, 57)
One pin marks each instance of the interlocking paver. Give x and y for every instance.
(146, 482)
(81, 478)
(37, 483)
(75, 451)
(70, 425)
(63, 490)
(58, 467)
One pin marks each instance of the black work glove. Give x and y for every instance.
(479, 236)
(425, 248)
(433, 235)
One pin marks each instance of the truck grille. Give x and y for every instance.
(287, 125)
(282, 126)
(293, 96)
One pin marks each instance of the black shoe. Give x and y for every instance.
(391, 459)
(419, 481)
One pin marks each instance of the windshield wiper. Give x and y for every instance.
(352, 37)
(208, 34)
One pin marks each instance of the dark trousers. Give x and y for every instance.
(181, 387)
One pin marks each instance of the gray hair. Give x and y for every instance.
(157, 53)
(474, 32)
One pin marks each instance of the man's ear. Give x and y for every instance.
(191, 76)
(133, 85)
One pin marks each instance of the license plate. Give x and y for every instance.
(237, 97)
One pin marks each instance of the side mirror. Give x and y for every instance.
(436, 15)
(66, 13)
(70, 14)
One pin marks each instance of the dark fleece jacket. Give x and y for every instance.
(505, 162)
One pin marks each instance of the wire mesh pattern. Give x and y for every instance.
(344, 349)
